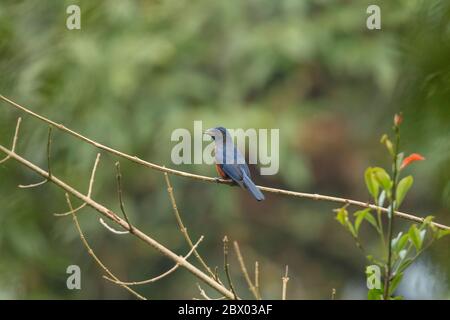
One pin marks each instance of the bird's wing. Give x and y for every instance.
(233, 171)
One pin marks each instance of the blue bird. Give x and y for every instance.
(230, 164)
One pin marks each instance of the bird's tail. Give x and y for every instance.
(250, 186)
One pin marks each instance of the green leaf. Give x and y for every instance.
(404, 265)
(375, 294)
(428, 222)
(351, 228)
(402, 242)
(342, 216)
(443, 233)
(385, 140)
(414, 235)
(371, 183)
(395, 282)
(364, 214)
(402, 189)
(396, 239)
(382, 178)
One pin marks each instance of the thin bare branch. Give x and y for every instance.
(49, 151)
(121, 222)
(226, 266)
(205, 296)
(333, 294)
(111, 229)
(89, 194)
(285, 280)
(203, 293)
(183, 229)
(150, 165)
(163, 275)
(119, 194)
(251, 286)
(91, 252)
(16, 136)
(257, 280)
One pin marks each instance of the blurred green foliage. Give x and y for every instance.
(139, 69)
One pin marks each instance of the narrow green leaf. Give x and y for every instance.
(382, 178)
(404, 265)
(414, 235)
(402, 189)
(351, 228)
(371, 183)
(396, 239)
(395, 282)
(364, 215)
(402, 242)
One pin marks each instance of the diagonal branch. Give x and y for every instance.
(150, 165)
(121, 222)
(91, 252)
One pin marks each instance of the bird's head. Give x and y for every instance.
(217, 133)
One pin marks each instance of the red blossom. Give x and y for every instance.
(410, 159)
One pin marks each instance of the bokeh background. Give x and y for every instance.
(137, 70)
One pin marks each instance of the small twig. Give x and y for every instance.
(16, 135)
(285, 280)
(103, 223)
(163, 275)
(257, 280)
(251, 286)
(333, 294)
(49, 149)
(183, 229)
(204, 295)
(91, 252)
(89, 194)
(119, 194)
(226, 266)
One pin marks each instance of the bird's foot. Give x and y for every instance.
(222, 180)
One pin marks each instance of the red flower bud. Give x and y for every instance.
(413, 157)
(398, 119)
